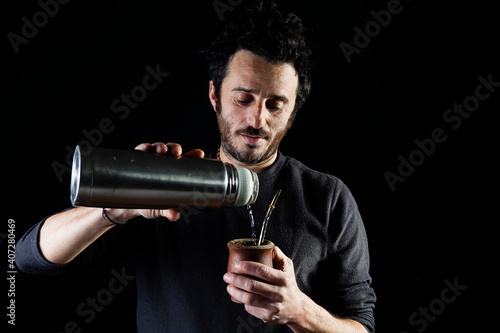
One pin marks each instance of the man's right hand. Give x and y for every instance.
(174, 149)
(66, 234)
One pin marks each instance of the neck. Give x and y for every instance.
(257, 168)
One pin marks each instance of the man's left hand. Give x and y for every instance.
(277, 300)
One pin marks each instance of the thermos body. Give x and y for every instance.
(135, 179)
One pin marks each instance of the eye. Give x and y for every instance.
(243, 102)
(274, 105)
(242, 99)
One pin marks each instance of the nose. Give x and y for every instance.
(256, 115)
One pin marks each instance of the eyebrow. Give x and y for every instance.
(251, 91)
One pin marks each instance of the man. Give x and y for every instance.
(320, 281)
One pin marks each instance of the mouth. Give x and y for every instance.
(252, 140)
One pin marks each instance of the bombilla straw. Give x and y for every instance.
(268, 215)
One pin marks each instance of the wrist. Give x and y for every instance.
(315, 318)
(305, 311)
(116, 216)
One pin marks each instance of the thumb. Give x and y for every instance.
(279, 259)
(171, 214)
(196, 153)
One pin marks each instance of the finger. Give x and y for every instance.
(250, 285)
(160, 147)
(260, 271)
(144, 147)
(237, 295)
(196, 153)
(258, 306)
(174, 149)
(244, 297)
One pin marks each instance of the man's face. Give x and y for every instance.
(257, 99)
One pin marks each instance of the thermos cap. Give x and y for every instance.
(248, 187)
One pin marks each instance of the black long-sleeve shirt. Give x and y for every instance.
(180, 264)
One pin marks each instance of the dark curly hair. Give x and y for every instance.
(264, 31)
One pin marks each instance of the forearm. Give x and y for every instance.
(65, 235)
(315, 318)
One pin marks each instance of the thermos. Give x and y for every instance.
(134, 179)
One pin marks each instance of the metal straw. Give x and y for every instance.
(268, 215)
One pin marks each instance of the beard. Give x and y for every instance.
(251, 154)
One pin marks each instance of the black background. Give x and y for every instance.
(437, 225)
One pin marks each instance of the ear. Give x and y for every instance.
(212, 95)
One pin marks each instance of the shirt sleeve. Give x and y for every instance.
(116, 244)
(343, 278)
(29, 258)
